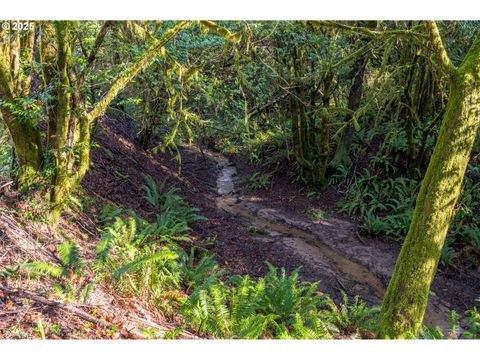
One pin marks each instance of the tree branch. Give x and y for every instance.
(332, 68)
(141, 64)
(220, 31)
(40, 299)
(409, 34)
(98, 42)
(438, 47)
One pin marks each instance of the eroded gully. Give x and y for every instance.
(330, 245)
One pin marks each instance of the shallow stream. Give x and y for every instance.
(329, 246)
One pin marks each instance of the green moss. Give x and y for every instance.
(407, 294)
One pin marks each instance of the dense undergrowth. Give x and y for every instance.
(343, 110)
(382, 196)
(376, 189)
(157, 261)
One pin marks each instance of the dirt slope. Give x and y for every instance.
(116, 178)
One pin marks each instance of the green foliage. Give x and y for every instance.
(374, 225)
(24, 109)
(448, 255)
(339, 175)
(473, 320)
(151, 192)
(9, 272)
(36, 208)
(429, 333)
(71, 267)
(173, 333)
(204, 273)
(48, 170)
(258, 181)
(6, 153)
(385, 205)
(39, 329)
(41, 268)
(317, 214)
(69, 253)
(472, 235)
(266, 146)
(453, 324)
(274, 306)
(354, 318)
(471, 327)
(277, 305)
(174, 215)
(70, 261)
(109, 212)
(143, 258)
(130, 251)
(296, 173)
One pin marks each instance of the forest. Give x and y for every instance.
(239, 179)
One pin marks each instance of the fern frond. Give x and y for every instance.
(69, 253)
(151, 192)
(163, 255)
(45, 269)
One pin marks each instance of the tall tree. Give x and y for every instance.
(70, 119)
(355, 94)
(407, 294)
(16, 56)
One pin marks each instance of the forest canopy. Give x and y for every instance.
(380, 116)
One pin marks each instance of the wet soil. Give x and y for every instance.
(329, 245)
(247, 228)
(453, 288)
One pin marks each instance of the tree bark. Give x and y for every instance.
(407, 294)
(28, 147)
(70, 128)
(357, 75)
(15, 83)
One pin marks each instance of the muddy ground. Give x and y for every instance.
(241, 242)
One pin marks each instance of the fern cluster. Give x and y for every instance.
(258, 181)
(66, 273)
(190, 285)
(277, 306)
(143, 258)
(384, 204)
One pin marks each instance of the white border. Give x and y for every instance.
(240, 9)
(239, 349)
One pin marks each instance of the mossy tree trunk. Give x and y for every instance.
(69, 120)
(64, 121)
(73, 121)
(311, 143)
(16, 53)
(323, 139)
(28, 148)
(298, 117)
(407, 294)
(355, 94)
(357, 74)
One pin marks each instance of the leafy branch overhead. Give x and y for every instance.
(350, 133)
